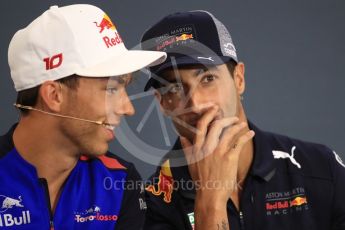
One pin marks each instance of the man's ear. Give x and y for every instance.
(239, 78)
(159, 98)
(50, 95)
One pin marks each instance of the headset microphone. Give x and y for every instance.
(59, 115)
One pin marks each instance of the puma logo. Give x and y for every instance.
(206, 58)
(337, 157)
(283, 155)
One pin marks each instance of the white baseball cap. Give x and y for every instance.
(77, 39)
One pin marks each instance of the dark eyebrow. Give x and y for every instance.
(204, 69)
(199, 71)
(122, 79)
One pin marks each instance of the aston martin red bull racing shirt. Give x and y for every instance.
(291, 185)
(101, 193)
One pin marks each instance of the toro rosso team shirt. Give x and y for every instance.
(291, 185)
(100, 193)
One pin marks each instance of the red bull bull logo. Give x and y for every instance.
(165, 183)
(298, 201)
(184, 37)
(105, 24)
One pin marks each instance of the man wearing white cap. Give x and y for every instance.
(70, 68)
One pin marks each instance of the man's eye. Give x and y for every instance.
(208, 78)
(111, 90)
(175, 88)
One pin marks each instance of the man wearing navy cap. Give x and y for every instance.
(242, 177)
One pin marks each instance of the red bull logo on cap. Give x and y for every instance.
(165, 183)
(170, 41)
(184, 37)
(104, 25)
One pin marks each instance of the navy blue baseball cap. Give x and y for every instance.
(193, 37)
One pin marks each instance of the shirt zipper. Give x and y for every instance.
(46, 191)
(241, 220)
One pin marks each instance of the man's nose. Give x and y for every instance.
(125, 107)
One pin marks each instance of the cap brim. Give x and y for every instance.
(186, 60)
(128, 62)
